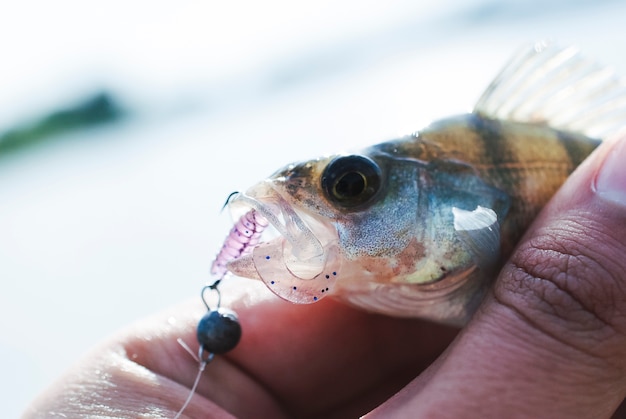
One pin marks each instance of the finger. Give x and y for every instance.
(550, 340)
(108, 383)
(295, 360)
(328, 358)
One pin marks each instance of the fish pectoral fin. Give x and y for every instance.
(479, 231)
(546, 84)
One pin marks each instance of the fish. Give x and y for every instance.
(419, 226)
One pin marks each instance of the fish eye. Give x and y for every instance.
(351, 181)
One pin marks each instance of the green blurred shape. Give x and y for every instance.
(96, 110)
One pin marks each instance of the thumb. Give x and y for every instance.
(550, 339)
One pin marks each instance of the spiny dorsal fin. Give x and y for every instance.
(558, 87)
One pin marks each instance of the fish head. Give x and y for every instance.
(369, 228)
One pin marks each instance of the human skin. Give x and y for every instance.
(549, 340)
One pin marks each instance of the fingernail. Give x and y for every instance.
(610, 181)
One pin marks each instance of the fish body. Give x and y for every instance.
(417, 226)
(520, 165)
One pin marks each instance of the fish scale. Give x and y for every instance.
(527, 161)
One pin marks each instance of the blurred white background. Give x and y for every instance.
(104, 224)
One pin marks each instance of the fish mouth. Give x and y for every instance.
(301, 262)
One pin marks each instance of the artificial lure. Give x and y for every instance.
(418, 226)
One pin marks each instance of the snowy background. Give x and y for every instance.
(104, 223)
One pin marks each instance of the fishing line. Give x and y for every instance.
(219, 331)
(192, 391)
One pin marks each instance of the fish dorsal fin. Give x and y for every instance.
(546, 84)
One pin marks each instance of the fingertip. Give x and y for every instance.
(609, 182)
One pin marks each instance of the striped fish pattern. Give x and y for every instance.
(418, 226)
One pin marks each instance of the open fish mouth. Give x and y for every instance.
(301, 263)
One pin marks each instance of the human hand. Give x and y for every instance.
(324, 359)
(548, 341)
